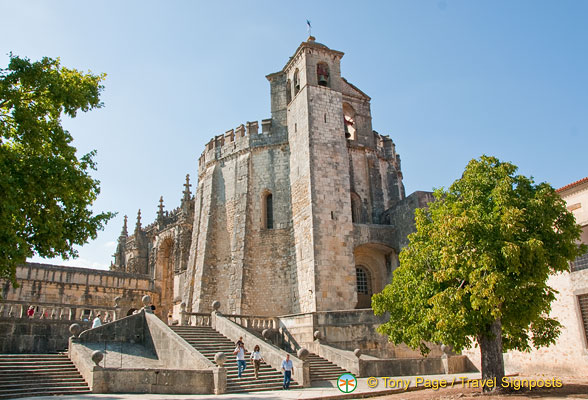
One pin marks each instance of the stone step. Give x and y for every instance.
(26, 364)
(36, 375)
(325, 368)
(209, 342)
(42, 384)
(31, 359)
(35, 371)
(258, 386)
(269, 373)
(245, 389)
(41, 378)
(55, 391)
(35, 355)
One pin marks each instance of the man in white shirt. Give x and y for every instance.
(288, 369)
(97, 322)
(240, 353)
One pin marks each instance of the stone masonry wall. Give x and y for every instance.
(78, 286)
(331, 202)
(269, 251)
(301, 201)
(34, 335)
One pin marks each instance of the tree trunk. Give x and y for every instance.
(492, 361)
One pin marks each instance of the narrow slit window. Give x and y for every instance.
(269, 211)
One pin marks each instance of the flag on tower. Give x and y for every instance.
(309, 26)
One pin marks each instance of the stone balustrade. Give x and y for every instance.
(195, 319)
(254, 322)
(72, 312)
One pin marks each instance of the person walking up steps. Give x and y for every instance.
(240, 353)
(257, 359)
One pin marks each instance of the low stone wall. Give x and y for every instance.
(152, 359)
(414, 366)
(110, 380)
(171, 349)
(346, 330)
(128, 329)
(33, 335)
(365, 366)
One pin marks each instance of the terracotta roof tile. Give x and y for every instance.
(571, 185)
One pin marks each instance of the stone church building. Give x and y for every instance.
(305, 213)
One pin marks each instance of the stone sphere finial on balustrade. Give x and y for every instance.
(302, 353)
(317, 335)
(220, 358)
(357, 352)
(75, 329)
(97, 356)
(216, 305)
(183, 307)
(267, 333)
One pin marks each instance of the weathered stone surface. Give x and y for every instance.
(97, 356)
(28, 335)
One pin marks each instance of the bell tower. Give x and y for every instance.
(320, 179)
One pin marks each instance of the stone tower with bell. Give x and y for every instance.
(319, 178)
(303, 214)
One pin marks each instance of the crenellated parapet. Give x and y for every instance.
(384, 149)
(241, 138)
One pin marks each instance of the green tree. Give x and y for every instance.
(45, 191)
(476, 269)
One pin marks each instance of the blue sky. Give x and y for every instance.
(449, 81)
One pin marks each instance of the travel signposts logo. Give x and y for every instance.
(347, 383)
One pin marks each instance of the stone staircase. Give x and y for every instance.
(322, 369)
(209, 342)
(24, 375)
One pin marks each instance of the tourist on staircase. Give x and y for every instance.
(288, 368)
(240, 353)
(257, 359)
(97, 321)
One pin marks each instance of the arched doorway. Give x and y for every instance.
(374, 263)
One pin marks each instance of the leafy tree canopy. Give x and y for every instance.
(478, 264)
(46, 191)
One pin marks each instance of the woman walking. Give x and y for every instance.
(257, 359)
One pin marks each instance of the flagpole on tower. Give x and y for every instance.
(309, 27)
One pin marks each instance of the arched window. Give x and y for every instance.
(268, 211)
(288, 91)
(356, 208)
(322, 74)
(362, 280)
(296, 82)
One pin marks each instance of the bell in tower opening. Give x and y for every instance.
(322, 72)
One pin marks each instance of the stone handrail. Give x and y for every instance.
(271, 354)
(343, 358)
(195, 319)
(44, 310)
(253, 321)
